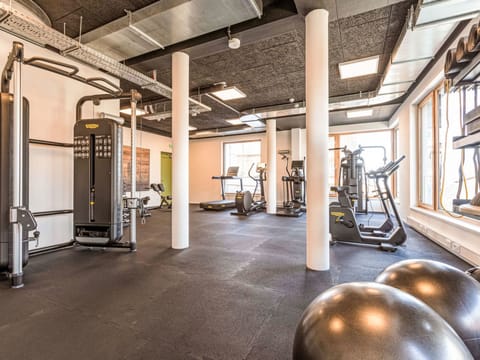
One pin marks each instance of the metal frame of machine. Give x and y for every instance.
(16, 219)
(343, 223)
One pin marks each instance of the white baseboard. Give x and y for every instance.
(449, 244)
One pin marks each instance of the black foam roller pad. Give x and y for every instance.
(462, 55)
(451, 66)
(473, 43)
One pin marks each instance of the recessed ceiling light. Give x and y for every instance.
(229, 93)
(359, 113)
(128, 111)
(192, 128)
(360, 67)
(234, 121)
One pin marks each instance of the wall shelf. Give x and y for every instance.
(469, 74)
(461, 142)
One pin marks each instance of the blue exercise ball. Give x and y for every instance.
(373, 321)
(454, 295)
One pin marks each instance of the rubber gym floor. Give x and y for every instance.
(236, 293)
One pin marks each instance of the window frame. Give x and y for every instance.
(224, 167)
(432, 96)
(338, 156)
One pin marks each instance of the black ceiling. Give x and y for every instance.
(268, 67)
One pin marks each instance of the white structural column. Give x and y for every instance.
(180, 87)
(316, 82)
(272, 166)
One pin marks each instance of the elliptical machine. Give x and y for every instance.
(343, 223)
(245, 200)
(293, 189)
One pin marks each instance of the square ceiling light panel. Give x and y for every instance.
(360, 67)
(359, 113)
(229, 93)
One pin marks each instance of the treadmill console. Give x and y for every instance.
(232, 171)
(297, 168)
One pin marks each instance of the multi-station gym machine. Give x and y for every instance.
(353, 176)
(98, 203)
(98, 185)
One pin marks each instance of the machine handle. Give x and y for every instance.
(45, 64)
(386, 170)
(96, 81)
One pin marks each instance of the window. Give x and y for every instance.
(426, 153)
(396, 155)
(445, 174)
(373, 157)
(242, 154)
(452, 163)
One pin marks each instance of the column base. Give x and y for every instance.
(17, 281)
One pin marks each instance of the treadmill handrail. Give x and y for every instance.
(386, 170)
(225, 177)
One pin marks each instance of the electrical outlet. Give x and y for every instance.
(455, 247)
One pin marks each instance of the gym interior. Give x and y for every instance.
(305, 182)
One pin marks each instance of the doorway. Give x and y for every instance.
(166, 172)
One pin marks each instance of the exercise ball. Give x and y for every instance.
(373, 321)
(474, 272)
(454, 295)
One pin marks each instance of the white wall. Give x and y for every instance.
(460, 237)
(52, 116)
(156, 144)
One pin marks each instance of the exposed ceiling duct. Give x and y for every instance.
(150, 28)
(227, 131)
(32, 29)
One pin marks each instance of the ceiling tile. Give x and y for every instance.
(335, 55)
(364, 40)
(72, 21)
(363, 83)
(334, 38)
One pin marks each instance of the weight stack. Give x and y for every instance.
(98, 185)
(6, 186)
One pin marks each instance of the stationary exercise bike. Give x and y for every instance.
(245, 200)
(343, 222)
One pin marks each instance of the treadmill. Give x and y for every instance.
(223, 204)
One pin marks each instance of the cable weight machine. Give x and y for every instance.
(16, 220)
(353, 177)
(98, 204)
